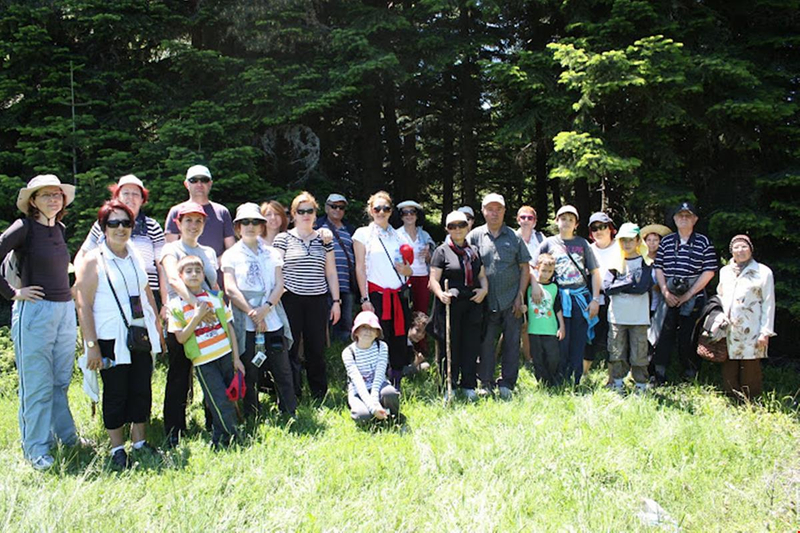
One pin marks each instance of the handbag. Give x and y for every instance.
(138, 338)
(713, 351)
(404, 290)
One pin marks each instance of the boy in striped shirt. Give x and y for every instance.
(203, 329)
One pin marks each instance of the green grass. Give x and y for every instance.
(545, 461)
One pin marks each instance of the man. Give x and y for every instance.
(505, 258)
(335, 207)
(685, 263)
(218, 232)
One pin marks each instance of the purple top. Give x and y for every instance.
(219, 226)
(46, 263)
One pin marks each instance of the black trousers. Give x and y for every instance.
(679, 328)
(399, 355)
(277, 364)
(308, 318)
(177, 389)
(465, 342)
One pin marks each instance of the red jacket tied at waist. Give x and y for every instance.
(391, 307)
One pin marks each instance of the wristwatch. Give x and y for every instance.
(337, 301)
(364, 299)
(91, 344)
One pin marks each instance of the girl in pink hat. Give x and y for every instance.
(368, 392)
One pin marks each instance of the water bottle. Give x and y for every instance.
(108, 363)
(260, 349)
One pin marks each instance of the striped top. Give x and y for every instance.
(303, 264)
(343, 250)
(147, 238)
(366, 370)
(685, 260)
(212, 340)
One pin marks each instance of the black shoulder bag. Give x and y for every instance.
(138, 339)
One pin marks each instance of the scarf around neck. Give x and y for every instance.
(465, 252)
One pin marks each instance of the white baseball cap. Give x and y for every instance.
(456, 216)
(198, 170)
(467, 210)
(493, 197)
(335, 197)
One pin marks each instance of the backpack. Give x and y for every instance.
(14, 261)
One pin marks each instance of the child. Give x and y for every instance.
(365, 360)
(578, 277)
(628, 284)
(546, 324)
(203, 330)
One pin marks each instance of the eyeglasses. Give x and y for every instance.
(405, 212)
(200, 179)
(469, 217)
(340, 207)
(308, 211)
(125, 223)
(457, 225)
(598, 227)
(526, 217)
(384, 208)
(50, 196)
(251, 221)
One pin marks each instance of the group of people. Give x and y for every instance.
(232, 299)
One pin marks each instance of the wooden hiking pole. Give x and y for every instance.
(448, 354)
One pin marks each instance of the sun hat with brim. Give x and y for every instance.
(455, 216)
(190, 208)
(659, 229)
(130, 179)
(198, 170)
(409, 203)
(249, 210)
(40, 181)
(567, 209)
(366, 318)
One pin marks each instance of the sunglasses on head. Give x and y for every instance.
(340, 207)
(384, 208)
(599, 227)
(249, 221)
(405, 212)
(526, 217)
(308, 211)
(201, 179)
(457, 225)
(126, 223)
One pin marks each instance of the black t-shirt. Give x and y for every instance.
(453, 269)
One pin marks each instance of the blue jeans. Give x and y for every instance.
(341, 330)
(573, 345)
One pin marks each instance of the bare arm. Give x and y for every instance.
(360, 252)
(170, 265)
(85, 290)
(436, 287)
(333, 285)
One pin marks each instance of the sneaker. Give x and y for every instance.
(641, 388)
(148, 448)
(43, 462)
(120, 460)
(470, 395)
(505, 393)
(483, 392)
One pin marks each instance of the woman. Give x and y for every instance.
(277, 221)
(112, 292)
(191, 220)
(381, 274)
(43, 326)
(747, 290)
(309, 274)
(147, 236)
(601, 235)
(460, 265)
(526, 220)
(411, 233)
(254, 285)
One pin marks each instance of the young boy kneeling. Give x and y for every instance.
(203, 329)
(368, 391)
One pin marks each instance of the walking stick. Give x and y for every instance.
(447, 346)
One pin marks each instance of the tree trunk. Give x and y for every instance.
(402, 188)
(540, 169)
(369, 141)
(470, 101)
(583, 204)
(448, 171)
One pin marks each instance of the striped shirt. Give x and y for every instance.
(366, 369)
(212, 340)
(344, 253)
(685, 260)
(147, 237)
(303, 264)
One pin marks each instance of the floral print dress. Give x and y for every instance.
(749, 302)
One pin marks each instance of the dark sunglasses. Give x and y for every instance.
(201, 179)
(305, 211)
(336, 206)
(249, 221)
(457, 225)
(405, 212)
(599, 227)
(526, 217)
(119, 222)
(384, 208)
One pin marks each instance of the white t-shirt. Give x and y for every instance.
(254, 271)
(606, 258)
(380, 269)
(630, 309)
(419, 267)
(537, 238)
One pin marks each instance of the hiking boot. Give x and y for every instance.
(120, 460)
(43, 462)
(470, 395)
(505, 393)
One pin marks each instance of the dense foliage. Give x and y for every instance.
(623, 104)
